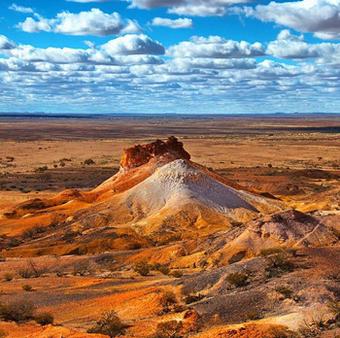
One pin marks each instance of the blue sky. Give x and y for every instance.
(187, 56)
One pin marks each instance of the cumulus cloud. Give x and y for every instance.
(21, 9)
(129, 49)
(133, 44)
(172, 23)
(221, 75)
(31, 25)
(87, 1)
(215, 47)
(190, 64)
(93, 22)
(321, 17)
(50, 54)
(189, 7)
(5, 43)
(289, 46)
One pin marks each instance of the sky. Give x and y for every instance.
(170, 56)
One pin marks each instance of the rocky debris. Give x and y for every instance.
(293, 227)
(140, 154)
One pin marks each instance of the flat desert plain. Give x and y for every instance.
(76, 272)
(271, 153)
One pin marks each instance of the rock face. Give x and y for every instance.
(141, 154)
(288, 229)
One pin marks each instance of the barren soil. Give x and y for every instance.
(295, 160)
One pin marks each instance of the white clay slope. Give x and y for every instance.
(178, 183)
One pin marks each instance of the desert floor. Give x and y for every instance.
(296, 159)
(236, 146)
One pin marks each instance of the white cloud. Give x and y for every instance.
(93, 22)
(194, 64)
(125, 50)
(215, 47)
(210, 75)
(5, 43)
(21, 9)
(172, 23)
(87, 1)
(189, 7)
(288, 46)
(52, 55)
(133, 45)
(31, 25)
(198, 10)
(321, 17)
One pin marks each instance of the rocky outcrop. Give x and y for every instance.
(140, 154)
(293, 227)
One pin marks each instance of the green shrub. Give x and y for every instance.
(253, 315)
(18, 311)
(238, 279)
(285, 291)
(135, 246)
(105, 259)
(142, 268)
(41, 169)
(278, 264)
(27, 288)
(89, 162)
(26, 273)
(164, 269)
(177, 273)
(33, 232)
(14, 242)
(60, 273)
(334, 276)
(270, 251)
(193, 298)
(31, 271)
(168, 301)
(44, 318)
(81, 268)
(109, 324)
(69, 236)
(8, 277)
(334, 307)
(170, 329)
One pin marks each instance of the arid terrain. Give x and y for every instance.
(230, 230)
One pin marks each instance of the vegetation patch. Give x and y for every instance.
(285, 291)
(238, 279)
(27, 288)
(168, 301)
(170, 329)
(162, 268)
(142, 268)
(44, 318)
(193, 298)
(17, 312)
(31, 271)
(109, 324)
(177, 273)
(278, 264)
(270, 251)
(8, 277)
(82, 268)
